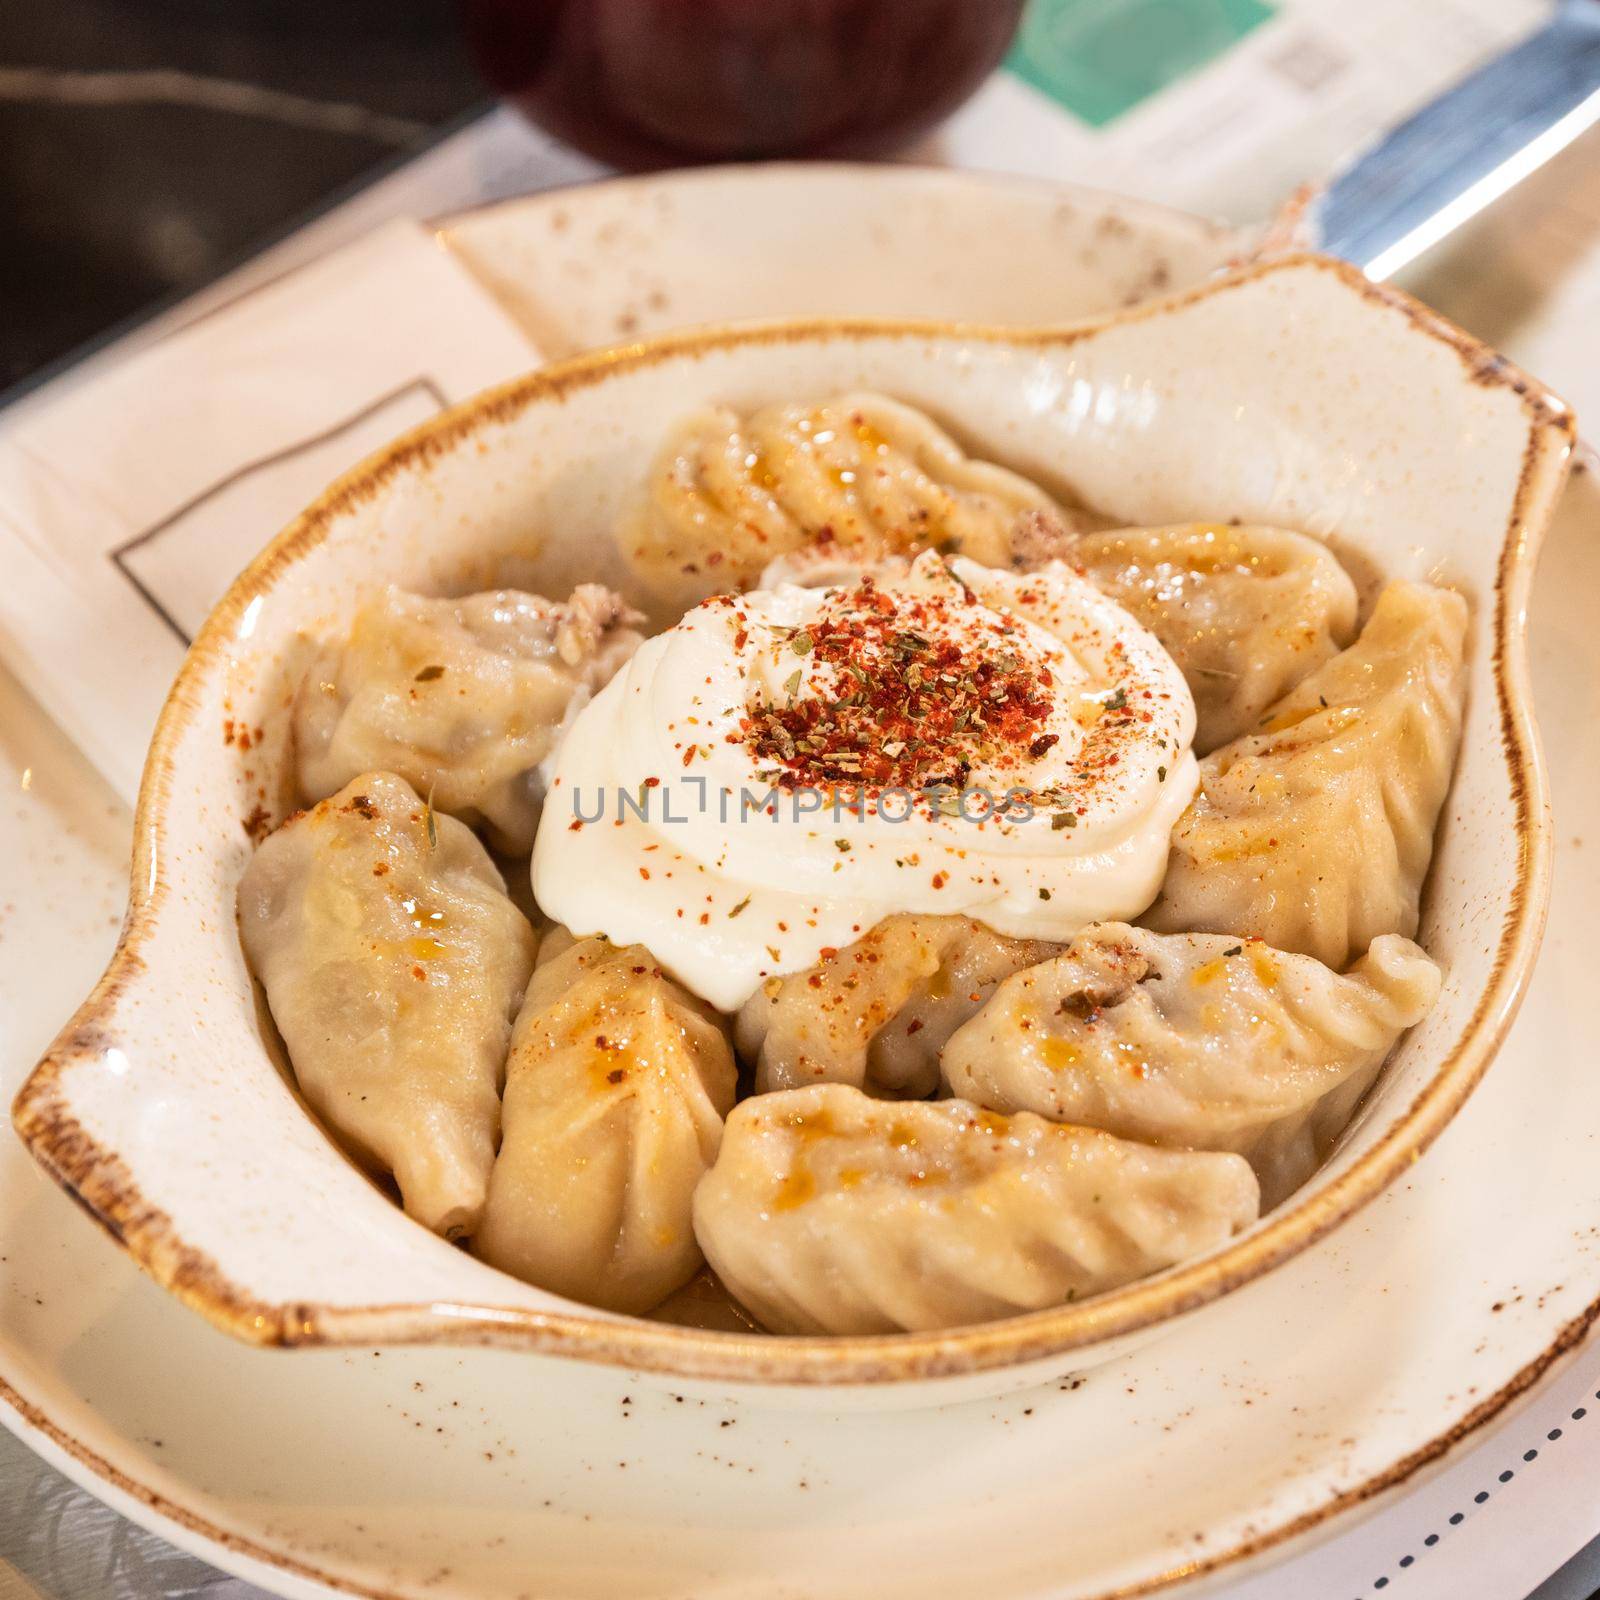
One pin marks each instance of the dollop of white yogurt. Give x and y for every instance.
(785, 768)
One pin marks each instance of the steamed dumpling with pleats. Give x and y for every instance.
(877, 1013)
(831, 1212)
(1200, 1041)
(393, 963)
(616, 1087)
(1315, 833)
(859, 474)
(463, 698)
(1246, 612)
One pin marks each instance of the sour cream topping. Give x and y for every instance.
(785, 768)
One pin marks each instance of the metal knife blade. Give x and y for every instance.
(1432, 172)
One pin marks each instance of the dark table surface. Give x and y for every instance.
(147, 144)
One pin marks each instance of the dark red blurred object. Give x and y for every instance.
(650, 83)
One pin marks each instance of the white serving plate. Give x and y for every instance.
(1344, 1373)
(634, 257)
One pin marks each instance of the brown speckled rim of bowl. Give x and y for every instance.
(95, 1176)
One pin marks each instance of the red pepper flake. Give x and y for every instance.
(644, 872)
(940, 879)
(919, 696)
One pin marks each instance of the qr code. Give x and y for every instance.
(1308, 61)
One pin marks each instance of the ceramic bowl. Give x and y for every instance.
(1292, 392)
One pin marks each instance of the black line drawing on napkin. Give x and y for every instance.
(146, 586)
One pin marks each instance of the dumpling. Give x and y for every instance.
(1195, 1040)
(859, 472)
(1315, 834)
(393, 963)
(1245, 612)
(463, 698)
(877, 1013)
(616, 1088)
(831, 1212)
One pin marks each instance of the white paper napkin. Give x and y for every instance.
(127, 505)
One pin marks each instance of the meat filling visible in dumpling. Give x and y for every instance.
(1246, 612)
(1195, 1040)
(462, 698)
(877, 1013)
(831, 1212)
(616, 1088)
(1315, 833)
(393, 962)
(859, 474)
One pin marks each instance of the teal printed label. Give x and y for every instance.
(1100, 58)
